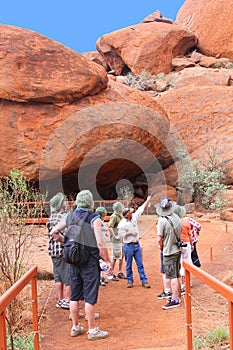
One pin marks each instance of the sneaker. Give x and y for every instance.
(146, 285)
(59, 303)
(96, 334)
(121, 276)
(182, 291)
(97, 315)
(102, 282)
(171, 304)
(130, 285)
(77, 330)
(114, 278)
(65, 305)
(164, 295)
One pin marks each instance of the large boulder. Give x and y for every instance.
(115, 134)
(211, 21)
(147, 47)
(36, 68)
(199, 76)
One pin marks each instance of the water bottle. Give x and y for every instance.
(105, 268)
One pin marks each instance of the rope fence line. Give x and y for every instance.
(46, 303)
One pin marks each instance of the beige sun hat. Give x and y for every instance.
(165, 207)
(84, 200)
(56, 202)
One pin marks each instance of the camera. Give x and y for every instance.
(181, 244)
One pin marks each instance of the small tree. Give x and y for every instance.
(204, 180)
(125, 193)
(16, 237)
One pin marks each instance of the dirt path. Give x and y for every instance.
(134, 317)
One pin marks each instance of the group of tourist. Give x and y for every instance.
(77, 283)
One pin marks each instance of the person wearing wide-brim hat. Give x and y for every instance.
(169, 228)
(60, 267)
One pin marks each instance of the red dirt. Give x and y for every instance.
(134, 317)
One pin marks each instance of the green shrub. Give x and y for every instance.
(20, 342)
(229, 65)
(204, 180)
(213, 340)
(16, 238)
(141, 82)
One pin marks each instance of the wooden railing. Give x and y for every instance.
(42, 209)
(218, 286)
(9, 296)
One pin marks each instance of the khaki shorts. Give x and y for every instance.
(117, 251)
(172, 265)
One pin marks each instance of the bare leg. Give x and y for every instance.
(59, 290)
(175, 284)
(90, 314)
(166, 283)
(113, 263)
(74, 311)
(120, 265)
(67, 292)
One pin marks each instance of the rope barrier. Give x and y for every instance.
(46, 302)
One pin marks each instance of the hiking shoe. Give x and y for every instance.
(97, 315)
(77, 330)
(96, 334)
(121, 276)
(130, 285)
(164, 295)
(146, 285)
(59, 303)
(65, 305)
(171, 304)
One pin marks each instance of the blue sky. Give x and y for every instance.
(79, 23)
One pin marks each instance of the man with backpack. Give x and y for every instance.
(169, 228)
(85, 277)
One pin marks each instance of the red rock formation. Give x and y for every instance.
(36, 68)
(198, 76)
(96, 57)
(45, 141)
(199, 117)
(145, 47)
(211, 21)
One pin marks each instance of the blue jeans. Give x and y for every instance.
(134, 251)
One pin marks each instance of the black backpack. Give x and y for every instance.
(79, 239)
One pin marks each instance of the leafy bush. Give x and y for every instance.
(229, 65)
(204, 180)
(21, 343)
(213, 340)
(15, 237)
(143, 82)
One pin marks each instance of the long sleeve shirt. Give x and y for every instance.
(126, 226)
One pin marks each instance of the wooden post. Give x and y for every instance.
(211, 253)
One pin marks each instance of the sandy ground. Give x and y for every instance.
(134, 317)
